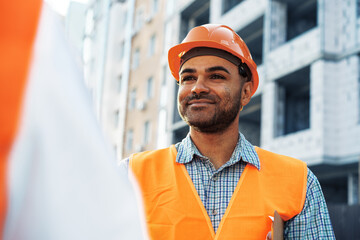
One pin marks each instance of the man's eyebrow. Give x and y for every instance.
(217, 68)
(187, 70)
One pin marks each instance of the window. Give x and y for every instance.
(161, 134)
(176, 115)
(116, 118)
(179, 134)
(146, 139)
(359, 92)
(163, 89)
(151, 49)
(301, 17)
(191, 18)
(250, 120)
(97, 10)
(252, 35)
(293, 113)
(119, 83)
(129, 140)
(155, 6)
(149, 88)
(136, 58)
(335, 189)
(138, 19)
(167, 37)
(115, 150)
(121, 50)
(229, 4)
(124, 18)
(165, 75)
(132, 99)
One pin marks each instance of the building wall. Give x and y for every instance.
(328, 49)
(146, 25)
(107, 44)
(116, 75)
(315, 50)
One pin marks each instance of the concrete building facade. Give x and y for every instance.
(107, 56)
(308, 102)
(307, 105)
(144, 104)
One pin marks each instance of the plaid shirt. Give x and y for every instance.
(215, 188)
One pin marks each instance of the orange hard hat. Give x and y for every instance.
(213, 36)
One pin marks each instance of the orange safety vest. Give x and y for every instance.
(174, 209)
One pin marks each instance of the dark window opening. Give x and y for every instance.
(250, 121)
(229, 4)
(293, 111)
(129, 139)
(335, 189)
(180, 134)
(176, 116)
(301, 17)
(196, 14)
(252, 35)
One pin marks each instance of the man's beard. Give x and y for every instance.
(221, 119)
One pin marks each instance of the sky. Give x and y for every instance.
(61, 6)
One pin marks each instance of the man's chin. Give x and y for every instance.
(207, 127)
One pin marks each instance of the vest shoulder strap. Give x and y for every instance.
(291, 174)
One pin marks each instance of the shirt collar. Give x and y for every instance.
(244, 150)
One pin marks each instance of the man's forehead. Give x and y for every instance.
(208, 63)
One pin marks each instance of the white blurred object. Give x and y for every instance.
(63, 179)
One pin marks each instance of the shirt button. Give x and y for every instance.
(215, 178)
(214, 212)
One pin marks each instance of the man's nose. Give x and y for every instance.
(200, 86)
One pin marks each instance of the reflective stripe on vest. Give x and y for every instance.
(174, 209)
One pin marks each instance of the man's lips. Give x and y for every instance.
(200, 102)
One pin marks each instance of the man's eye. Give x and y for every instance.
(187, 78)
(217, 76)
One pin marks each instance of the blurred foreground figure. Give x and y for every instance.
(58, 178)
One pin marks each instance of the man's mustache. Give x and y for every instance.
(196, 96)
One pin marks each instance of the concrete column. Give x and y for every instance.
(338, 21)
(278, 21)
(279, 117)
(268, 113)
(215, 10)
(353, 189)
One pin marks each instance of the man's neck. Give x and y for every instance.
(218, 147)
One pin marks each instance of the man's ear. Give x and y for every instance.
(246, 93)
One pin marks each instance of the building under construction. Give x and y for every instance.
(308, 102)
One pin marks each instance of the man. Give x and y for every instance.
(215, 184)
